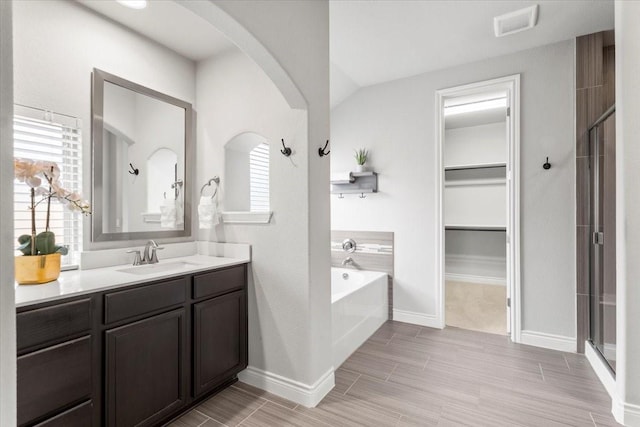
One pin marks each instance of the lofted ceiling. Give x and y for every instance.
(378, 41)
(169, 24)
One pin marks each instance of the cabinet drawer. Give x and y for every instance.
(218, 282)
(134, 302)
(78, 416)
(53, 378)
(51, 325)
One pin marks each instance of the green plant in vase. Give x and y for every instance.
(361, 157)
(43, 178)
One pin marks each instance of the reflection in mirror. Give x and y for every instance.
(141, 140)
(247, 173)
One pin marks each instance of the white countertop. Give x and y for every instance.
(80, 282)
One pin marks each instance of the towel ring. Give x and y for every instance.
(208, 184)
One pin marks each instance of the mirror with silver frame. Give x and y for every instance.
(141, 152)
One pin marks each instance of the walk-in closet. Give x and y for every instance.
(475, 156)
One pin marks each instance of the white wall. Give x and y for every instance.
(7, 302)
(627, 402)
(235, 96)
(297, 35)
(395, 121)
(58, 43)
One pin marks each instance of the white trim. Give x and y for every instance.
(481, 280)
(601, 370)
(422, 319)
(626, 414)
(295, 391)
(550, 341)
(512, 85)
(247, 217)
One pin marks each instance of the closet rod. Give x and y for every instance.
(472, 228)
(469, 167)
(604, 116)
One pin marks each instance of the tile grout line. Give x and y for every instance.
(392, 371)
(567, 362)
(208, 418)
(426, 362)
(542, 373)
(356, 380)
(255, 410)
(266, 398)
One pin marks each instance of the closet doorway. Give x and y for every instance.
(478, 213)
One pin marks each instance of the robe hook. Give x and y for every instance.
(286, 150)
(322, 152)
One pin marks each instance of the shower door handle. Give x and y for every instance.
(598, 238)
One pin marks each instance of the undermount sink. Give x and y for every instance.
(158, 268)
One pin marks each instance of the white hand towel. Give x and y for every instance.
(168, 214)
(341, 178)
(179, 214)
(207, 214)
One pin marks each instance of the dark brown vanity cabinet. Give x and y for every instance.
(55, 365)
(220, 340)
(134, 356)
(146, 370)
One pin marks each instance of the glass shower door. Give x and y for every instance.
(602, 249)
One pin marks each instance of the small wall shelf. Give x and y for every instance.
(364, 182)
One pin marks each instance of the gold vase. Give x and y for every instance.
(36, 269)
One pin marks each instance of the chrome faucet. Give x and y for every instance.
(153, 259)
(348, 260)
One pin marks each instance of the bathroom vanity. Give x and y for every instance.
(132, 354)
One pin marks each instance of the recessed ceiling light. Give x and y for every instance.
(514, 22)
(133, 4)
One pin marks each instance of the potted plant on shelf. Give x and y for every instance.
(40, 262)
(361, 159)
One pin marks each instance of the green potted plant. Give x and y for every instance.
(40, 262)
(361, 157)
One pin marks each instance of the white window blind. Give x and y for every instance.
(40, 135)
(259, 178)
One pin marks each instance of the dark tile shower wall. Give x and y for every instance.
(595, 92)
(374, 252)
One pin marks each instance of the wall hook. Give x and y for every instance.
(362, 196)
(547, 165)
(340, 196)
(133, 170)
(322, 152)
(285, 150)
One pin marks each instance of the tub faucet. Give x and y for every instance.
(347, 260)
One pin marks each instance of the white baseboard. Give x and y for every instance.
(482, 280)
(303, 394)
(422, 319)
(550, 341)
(626, 414)
(603, 373)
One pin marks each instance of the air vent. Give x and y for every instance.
(514, 22)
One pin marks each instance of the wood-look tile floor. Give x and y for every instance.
(407, 375)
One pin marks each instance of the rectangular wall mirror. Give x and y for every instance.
(141, 142)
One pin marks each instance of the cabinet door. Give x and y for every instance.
(145, 370)
(219, 340)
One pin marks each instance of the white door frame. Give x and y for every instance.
(512, 85)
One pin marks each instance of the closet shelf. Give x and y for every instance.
(475, 227)
(476, 166)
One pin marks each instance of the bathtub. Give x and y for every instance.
(359, 306)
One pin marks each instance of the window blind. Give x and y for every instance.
(259, 178)
(40, 135)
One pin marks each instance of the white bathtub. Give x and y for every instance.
(359, 306)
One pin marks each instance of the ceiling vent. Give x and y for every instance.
(514, 22)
